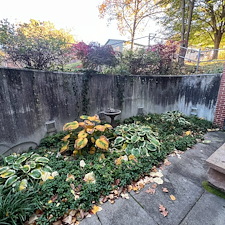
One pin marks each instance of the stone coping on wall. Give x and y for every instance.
(129, 75)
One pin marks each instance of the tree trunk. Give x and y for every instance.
(132, 43)
(190, 13)
(217, 39)
(182, 50)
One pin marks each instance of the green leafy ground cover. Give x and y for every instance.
(78, 180)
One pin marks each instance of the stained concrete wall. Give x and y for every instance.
(30, 98)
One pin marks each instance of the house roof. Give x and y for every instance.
(121, 42)
(114, 42)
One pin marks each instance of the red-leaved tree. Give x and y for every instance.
(94, 56)
(166, 53)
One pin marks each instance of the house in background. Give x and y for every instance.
(120, 45)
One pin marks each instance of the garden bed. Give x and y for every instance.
(90, 163)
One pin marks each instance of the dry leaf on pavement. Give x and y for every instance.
(158, 180)
(167, 162)
(165, 190)
(150, 191)
(96, 209)
(172, 197)
(163, 210)
(126, 196)
(156, 174)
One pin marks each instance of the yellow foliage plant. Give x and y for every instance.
(86, 135)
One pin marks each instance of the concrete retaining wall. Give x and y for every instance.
(30, 98)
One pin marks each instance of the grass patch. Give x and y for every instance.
(212, 67)
(213, 190)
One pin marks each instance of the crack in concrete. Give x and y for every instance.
(142, 207)
(192, 207)
(99, 219)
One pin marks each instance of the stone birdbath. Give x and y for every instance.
(112, 113)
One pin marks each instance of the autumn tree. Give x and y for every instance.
(210, 21)
(131, 15)
(36, 45)
(206, 17)
(94, 56)
(177, 18)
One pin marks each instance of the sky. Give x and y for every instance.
(80, 17)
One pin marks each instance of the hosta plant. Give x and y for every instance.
(19, 170)
(136, 139)
(174, 117)
(86, 136)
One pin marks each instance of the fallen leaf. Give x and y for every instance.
(140, 184)
(96, 209)
(132, 157)
(104, 199)
(172, 197)
(53, 198)
(118, 161)
(32, 219)
(82, 214)
(111, 201)
(167, 162)
(90, 178)
(156, 174)
(126, 196)
(59, 222)
(76, 197)
(39, 212)
(148, 180)
(150, 191)
(117, 182)
(154, 186)
(165, 190)
(111, 196)
(125, 158)
(158, 180)
(188, 132)
(129, 188)
(70, 177)
(163, 210)
(64, 200)
(164, 213)
(68, 219)
(206, 141)
(82, 164)
(101, 157)
(135, 188)
(78, 216)
(55, 173)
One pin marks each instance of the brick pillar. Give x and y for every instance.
(220, 104)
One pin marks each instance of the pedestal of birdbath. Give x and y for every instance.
(112, 113)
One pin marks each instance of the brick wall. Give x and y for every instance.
(220, 105)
